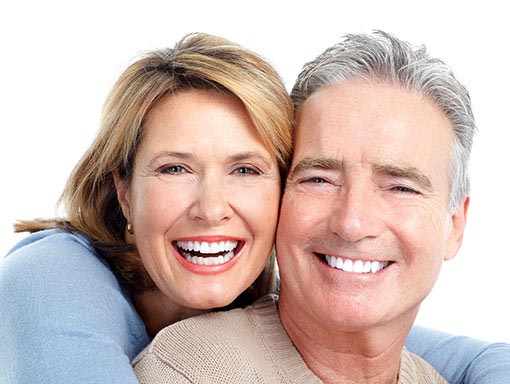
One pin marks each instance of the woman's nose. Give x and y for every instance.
(211, 204)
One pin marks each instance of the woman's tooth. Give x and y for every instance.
(204, 247)
(214, 248)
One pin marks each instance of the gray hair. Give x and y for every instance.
(384, 58)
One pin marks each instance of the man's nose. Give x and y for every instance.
(355, 214)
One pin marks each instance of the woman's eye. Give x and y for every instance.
(172, 169)
(246, 171)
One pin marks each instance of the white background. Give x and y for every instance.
(59, 59)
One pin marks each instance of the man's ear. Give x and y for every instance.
(122, 189)
(458, 224)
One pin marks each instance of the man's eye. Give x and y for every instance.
(403, 189)
(315, 180)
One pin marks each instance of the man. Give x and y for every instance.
(379, 188)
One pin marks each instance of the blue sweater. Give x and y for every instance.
(64, 318)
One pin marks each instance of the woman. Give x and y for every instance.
(171, 212)
(177, 196)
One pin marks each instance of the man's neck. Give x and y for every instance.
(368, 356)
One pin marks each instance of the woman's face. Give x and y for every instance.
(203, 199)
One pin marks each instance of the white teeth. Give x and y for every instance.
(347, 267)
(214, 248)
(357, 266)
(206, 247)
(209, 260)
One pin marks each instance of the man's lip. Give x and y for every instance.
(357, 266)
(352, 258)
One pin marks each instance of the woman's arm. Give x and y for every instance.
(64, 317)
(460, 359)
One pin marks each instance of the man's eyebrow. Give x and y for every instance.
(306, 163)
(410, 173)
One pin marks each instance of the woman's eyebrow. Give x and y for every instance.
(243, 156)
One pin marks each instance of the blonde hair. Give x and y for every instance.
(198, 61)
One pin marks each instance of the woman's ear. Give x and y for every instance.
(122, 189)
(457, 229)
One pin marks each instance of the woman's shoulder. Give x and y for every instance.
(51, 242)
(53, 264)
(54, 252)
(54, 283)
(62, 306)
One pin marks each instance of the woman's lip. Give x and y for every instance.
(209, 239)
(208, 269)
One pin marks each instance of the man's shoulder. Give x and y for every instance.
(216, 329)
(415, 370)
(228, 346)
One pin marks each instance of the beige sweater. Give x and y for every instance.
(241, 346)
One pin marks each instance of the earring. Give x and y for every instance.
(130, 228)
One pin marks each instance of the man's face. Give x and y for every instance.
(364, 224)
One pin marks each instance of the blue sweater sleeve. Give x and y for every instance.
(462, 360)
(64, 318)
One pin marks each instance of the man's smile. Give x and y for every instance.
(355, 266)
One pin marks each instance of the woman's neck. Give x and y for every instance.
(157, 311)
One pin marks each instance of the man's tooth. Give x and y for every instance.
(214, 248)
(347, 266)
(204, 247)
(358, 266)
(196, 246)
